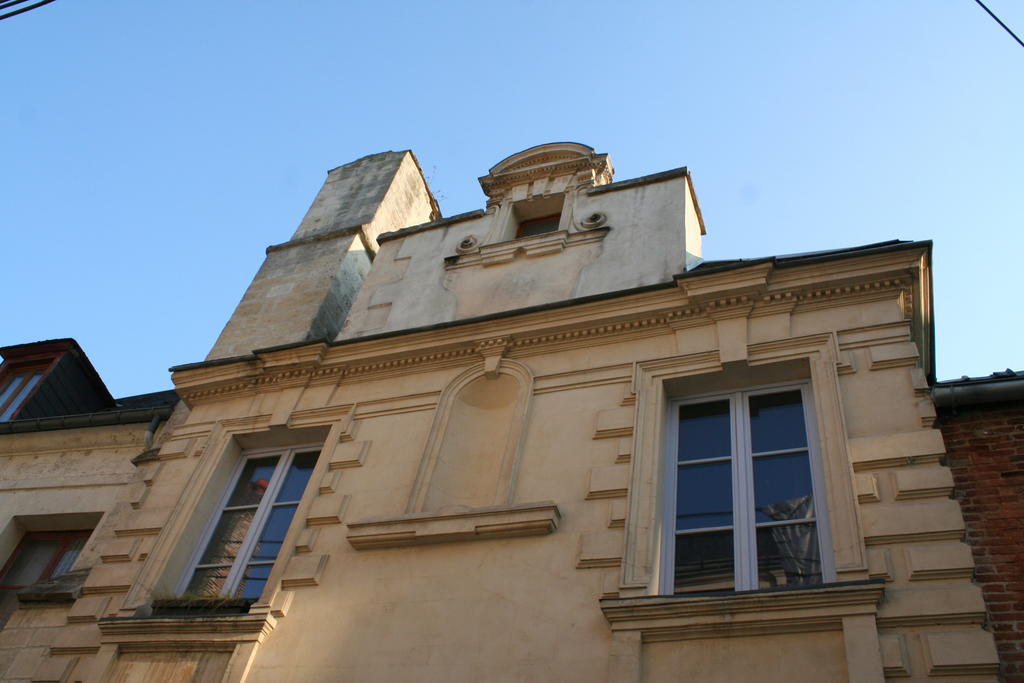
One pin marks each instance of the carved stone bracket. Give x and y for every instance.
(492, 350)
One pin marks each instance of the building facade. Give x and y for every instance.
(544, 441)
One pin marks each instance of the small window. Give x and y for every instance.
(41, 555)
(17, 387)
(243, 541)
(538, 226)
(536, 216)
(745, 485)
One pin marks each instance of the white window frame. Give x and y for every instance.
(17, 387)
(263, 510)
(744, 524)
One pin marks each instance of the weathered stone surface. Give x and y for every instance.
(648, 231)
(305, 287)
(64, 588)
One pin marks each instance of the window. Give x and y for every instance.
(241, 544)
(745, 485)
(538, 226)
(536, 216)
(15, 388)
(40, 555)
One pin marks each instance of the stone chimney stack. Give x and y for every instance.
(306, 286)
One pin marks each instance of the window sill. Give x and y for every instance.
(147, 633)
(472, 524)
(536, 245)
(786, 610)
(200, 607)
(65, 588)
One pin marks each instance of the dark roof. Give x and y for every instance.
(1006, 375)
(156, 399)
(805, 258)
(1006, 387)
(102, 418)
(129, 410)
(72, 394)
(72, 350)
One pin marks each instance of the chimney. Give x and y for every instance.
(306, 286)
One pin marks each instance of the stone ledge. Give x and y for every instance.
(932, 605)
(64, 588)
(691, 617)
(533, 246)
(471, 524)
(158, 634)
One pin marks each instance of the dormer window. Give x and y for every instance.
(47, 379)
(538, 226)
(15, 388)
(537, 216)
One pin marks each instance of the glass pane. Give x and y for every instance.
(298, 475)
(777, 422)
(704, 431)
(71, 552)
(787, 555)
(208, 581)
(704, 562)
(227, 537)
(704, 495)
(254, 481)
(33, 558)
(253, 580)
(13, 383)
(782, 487)
(272, 537)
(538, 226)
(25, 390)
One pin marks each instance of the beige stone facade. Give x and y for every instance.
(57, 481)
(491, 500)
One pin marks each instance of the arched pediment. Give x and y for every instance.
(549, 160)
(540, 155)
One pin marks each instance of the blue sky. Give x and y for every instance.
(152, 150)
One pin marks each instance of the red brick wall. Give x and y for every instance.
(985, 446)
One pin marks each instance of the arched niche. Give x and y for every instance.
(472, 454)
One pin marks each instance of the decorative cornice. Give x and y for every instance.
(323, 374)
(604, 323)
(726, 285)
(542, 159)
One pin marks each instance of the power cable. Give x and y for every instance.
(12, 3)
(1000, 22)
